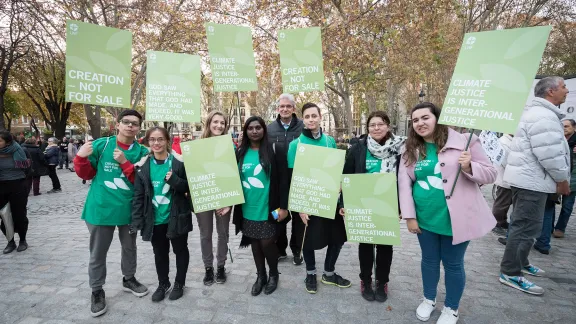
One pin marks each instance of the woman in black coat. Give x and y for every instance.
(52, 157)
(264, 184)
(39, 167)
(162, 210)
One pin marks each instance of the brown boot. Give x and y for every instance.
(558, 234)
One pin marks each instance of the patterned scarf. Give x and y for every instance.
(18, 154)
(387, 152)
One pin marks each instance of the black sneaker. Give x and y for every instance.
(209, 276)
(366, 290)
(282, 256)
(502, 240)
(22, 246)
(161, 291)
(221, 275)
(311, 283)
(336, 280)
(381, 291)
(132, 285)
(500, 231)
(297, 259)
(54, 191)
(98, 303)
(11, 246)
(177, 291)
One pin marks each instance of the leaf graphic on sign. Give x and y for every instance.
(78, 63)
(242, 58)
(110, 185)
(255, 182)
(246, 185)
(222, 169)
(108, 64)
(311, 37)
(307, 57)
(257, 169)
(504, 77)
(219, 150)
(166, 188)
(242, 37)
(531, 38)
(334, 158)
(324, 179)
(288, 63)
(182, 84)
(117, 41)
(378, 206)
(383, 184)
(162, 200)
(423, 184)
(121, 184)
(435, 182)
(189, 64)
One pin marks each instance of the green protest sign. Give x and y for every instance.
(231, 58)
(98, 63)
(316, 180)
(492, 78)
(301, 59)
(212, 173)
(173, 87)
(371, 208)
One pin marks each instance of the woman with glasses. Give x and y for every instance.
(379, 152)
(216, 125)
(162, 210)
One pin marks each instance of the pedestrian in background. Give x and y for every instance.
(503, 199)
(162, 210)
(52, 156)
(64, 153)
(444, 222)
(538, 166)
(378, 153)
(568, 201)
(72, 151)
(39, 167)
(14, 167)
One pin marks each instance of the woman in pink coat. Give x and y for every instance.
(444, 223)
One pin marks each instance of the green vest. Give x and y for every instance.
(325, 140)
(162, 200)
(109, 200)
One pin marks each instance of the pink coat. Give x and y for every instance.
(469, 213)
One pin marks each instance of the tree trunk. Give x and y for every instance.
(94, 121)
(2, 124)
(8, 122)
(371, 101)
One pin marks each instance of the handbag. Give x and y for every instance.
(6, 216)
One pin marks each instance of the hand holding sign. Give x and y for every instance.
(465, 159)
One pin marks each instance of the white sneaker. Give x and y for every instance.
(425, 309)
(448, 316)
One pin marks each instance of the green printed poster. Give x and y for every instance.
(231, 58)
(371, 208)
(212, 173)
(98, 61)
(173, 87)
(492, 78)
(301, 59)
(316, 180)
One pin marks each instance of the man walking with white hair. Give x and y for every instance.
(538, 165)
(286, 128)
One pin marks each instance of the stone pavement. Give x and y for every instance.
(48, 283)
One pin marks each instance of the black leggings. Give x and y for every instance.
(161, 247)
(265, 250)
(54, 177)
(383, 262)
(15, 192)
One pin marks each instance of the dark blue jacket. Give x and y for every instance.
(52, 155)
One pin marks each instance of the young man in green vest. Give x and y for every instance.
(109, 163)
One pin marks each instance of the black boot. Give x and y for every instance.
(209, 276)
(22, 246)
(271, 285)
(381, 291)
(10, 247)
(259, 284)
(366, 290)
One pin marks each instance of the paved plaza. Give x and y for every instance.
(48, 283)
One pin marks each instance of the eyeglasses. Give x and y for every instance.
(374, 126)
(285, 106)
(156, 140)
(127, 122)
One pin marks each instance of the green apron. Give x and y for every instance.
(109, 200)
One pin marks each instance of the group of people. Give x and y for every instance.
(143, 187)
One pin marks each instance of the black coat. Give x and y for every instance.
(180, 220)
(281, 137)
(277, 194)
(321, 231)
(39, 167)
(52, 155)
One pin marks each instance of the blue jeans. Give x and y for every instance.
(332, 254)
(543, 242)
(566, 211)
(436, 248)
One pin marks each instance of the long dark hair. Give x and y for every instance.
(415, 144)
(263, 150)
(7, 137)
(164, 132)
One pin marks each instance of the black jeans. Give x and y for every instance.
(383, 262)
(332, 254)
(161, 247)
(282, 241)
(15, 192)
(54, 177)
(63, 158)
